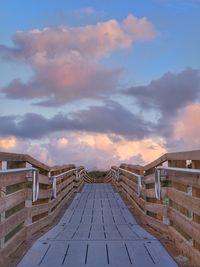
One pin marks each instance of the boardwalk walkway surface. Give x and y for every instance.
(97, 230)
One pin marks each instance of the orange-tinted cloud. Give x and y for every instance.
(95, 151)
(8, 142)
(187, 126)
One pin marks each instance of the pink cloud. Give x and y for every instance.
(187, 125)
(65, 60)
(87, 41)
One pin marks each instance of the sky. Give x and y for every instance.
(98, 83)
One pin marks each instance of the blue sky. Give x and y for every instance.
(173, 47)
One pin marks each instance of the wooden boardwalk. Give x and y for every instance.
(97, 230)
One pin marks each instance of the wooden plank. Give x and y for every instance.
(189, 227)
(11, 179)
(186, 179)
(37, 209)
(54, 214)
(137, 199)
(187, 155)
(150, 193)
(12, 200)
(54, 202)
(195, 164)
(156, 208)
(157, 224)
(11, 246)
(44, 179)
(130, 182)
(149, 179)
(61, 185)
(177, 163)
(184, 247)
(43, 193)
(183, 199)
(9, 224)
(37, 226)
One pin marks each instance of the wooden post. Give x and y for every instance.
(196, 193)
(2, 195)
(28, 204)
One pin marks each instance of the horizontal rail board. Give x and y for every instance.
(193, 180)
(183, 199)
(12, 200)
(156, 208)
(9, 224)
(12, 179)
(188, 226)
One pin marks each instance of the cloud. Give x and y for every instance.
(93, 150)
(8, 142)
(187, 125)
(66, 60)
(169, 93)
(166, 96)
(59, 84)
(111, 118)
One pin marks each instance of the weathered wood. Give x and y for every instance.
(138, 200)
(156, 208)
(12, 200)
(43, 193)
(37, 226)
(11, 179)
(186, 179)
(180, 197)
(9, 224)
(149, 179)
(157, 224)
(184, 246)
(177, 163)
(43, 179)
(189, 202)
(12, 245)
(37, 209)
(189, 227)
(187, 155)
(67, 182)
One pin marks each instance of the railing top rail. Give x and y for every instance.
(185, 155)
(6, 156)
(139, 177)
(64, 173)
(174, 169)
(186, 170)
(130, 172)
(54, 178)
(131, 166)
(62, 167)
(8, 171)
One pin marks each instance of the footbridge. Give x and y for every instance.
(135, 216)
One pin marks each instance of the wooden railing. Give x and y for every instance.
(171, 206)
(24, 211)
